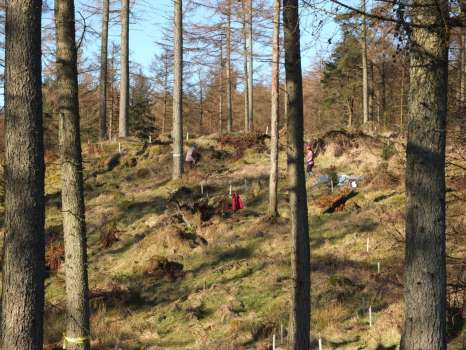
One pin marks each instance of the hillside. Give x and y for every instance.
(172, 268)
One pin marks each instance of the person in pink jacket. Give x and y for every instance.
(192, 156)
(309, 159)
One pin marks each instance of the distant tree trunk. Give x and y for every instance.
(365, 91)
(349, 106)
(74, 226)
(383, 94)
(402, 96)
(222, 83)
(371, 91)
(124, 70)
(300, 250)
(23, 248)
(246, 74)
(103, 71)
(461, 71)
(229, 88)
(425, 270)
(285, 112)
(274, 142)
(220, 114)
(201, 105)
(165, 90)
(178, 93)
(112, 92)
(250, 72)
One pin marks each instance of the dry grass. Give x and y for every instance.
(383, 178)
(160, 286)
(109, 235)
(329, 317)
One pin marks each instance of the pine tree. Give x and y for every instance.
(228, 69)
(250, 70)
(23, 254)
(177, 132)
(124, 70)
(103, 71)
(365, 89)
(425, 270)
(300, 250)
(74, 222)
(274, 141)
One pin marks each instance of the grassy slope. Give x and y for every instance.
(234, 294)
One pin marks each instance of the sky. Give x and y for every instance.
(150, 17)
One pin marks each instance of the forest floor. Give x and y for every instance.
(173, 268)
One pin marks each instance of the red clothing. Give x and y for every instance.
(236, 202)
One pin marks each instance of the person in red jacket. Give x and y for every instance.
(236, 202)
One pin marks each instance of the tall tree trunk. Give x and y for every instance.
(112, 92)
(274, 141)
(229, 88)
(220, 114)
(349, 106)
(365, 91)
(124, 70)
(425, 271)
(74, 227)
(250, 72)
(300, 250)
(222, 83)
(103, 71)
(371, 88)
(461, 71)
(165, 92)
(177, 132)
(23, 249)
(201, 105)
(383, 94)
(402, 96)
(245, 69)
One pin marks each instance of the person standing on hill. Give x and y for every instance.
(309, 159)
(192, 156)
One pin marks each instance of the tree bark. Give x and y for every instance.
(425, 271)
(349, 106)
(365, 91)
(229, 88)
(23, 250)
(245, 68)
(461, 71)
(165, 92)
(383, 94)
(124, 70)
(274, 141)
(250, 72)
(201, 105)
(402, 96)
(222, 83)
(112, 92)
(371, 87)
(300, 250)
(74, 227)
(178, 93)
(103, 72)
